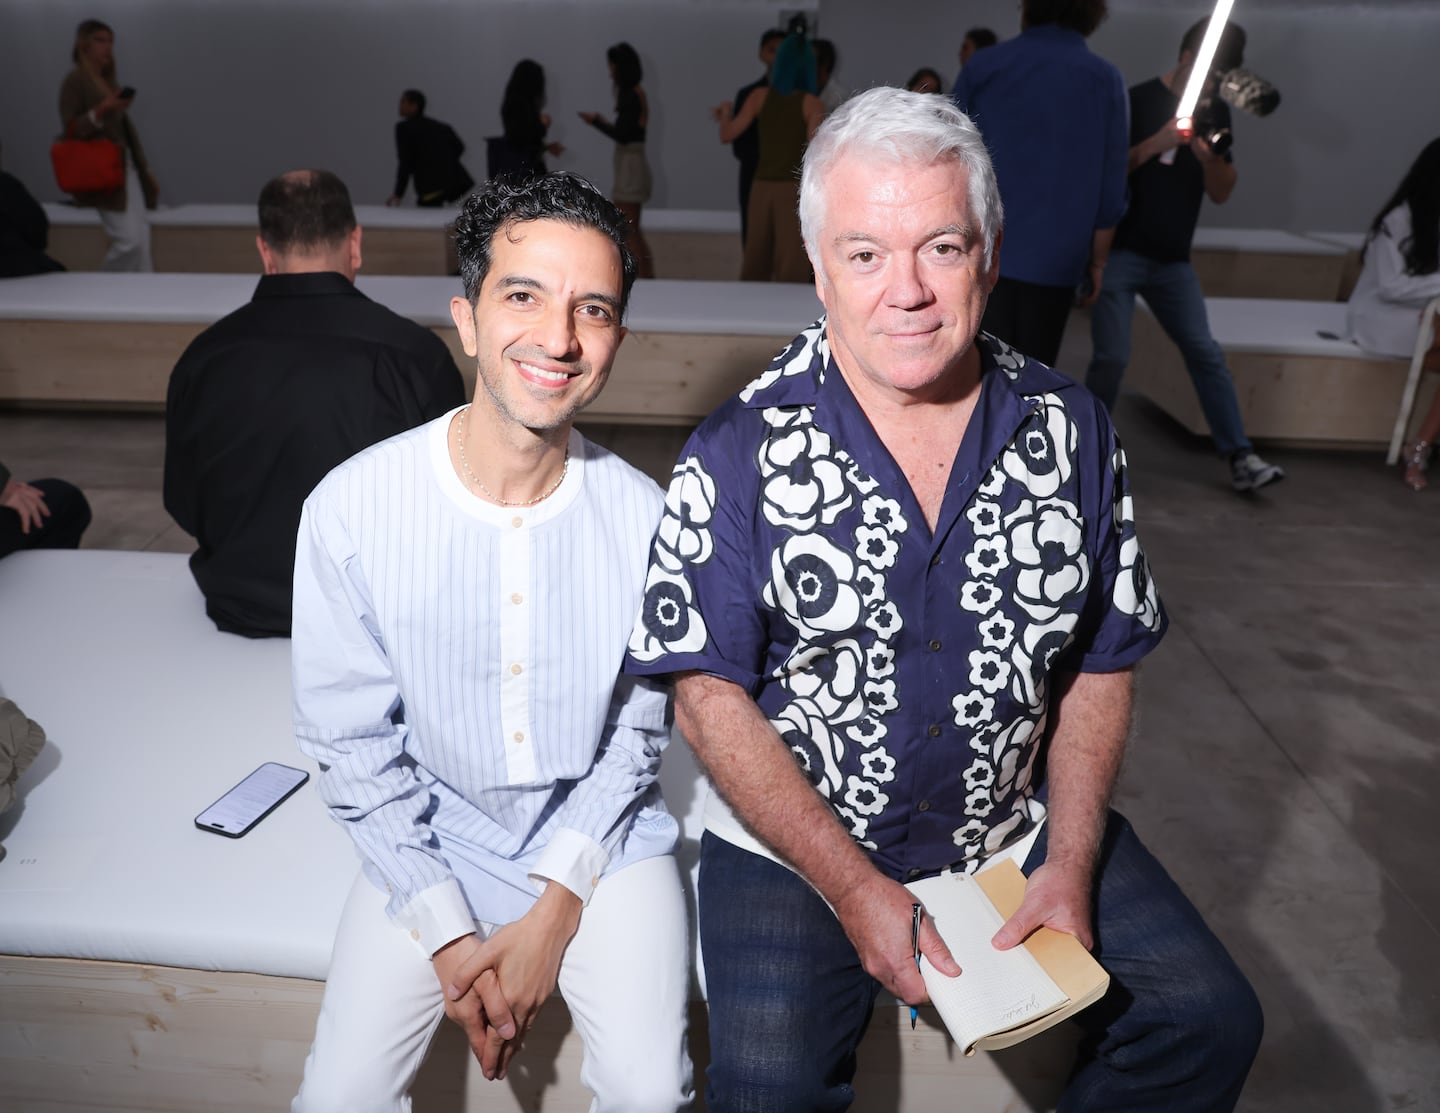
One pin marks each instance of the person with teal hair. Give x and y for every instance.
(787, 113)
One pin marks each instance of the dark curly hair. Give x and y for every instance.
(510, 200)
(1078, 15)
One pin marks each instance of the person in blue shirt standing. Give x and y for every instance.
(900, 589)
(1055, 118)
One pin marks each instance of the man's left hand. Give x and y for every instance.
(1056, 896)
(525, 956)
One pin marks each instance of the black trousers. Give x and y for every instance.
(1029, 317)
(69, 515)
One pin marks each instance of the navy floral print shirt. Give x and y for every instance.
(910, 674)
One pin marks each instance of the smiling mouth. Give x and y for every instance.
(545, 376)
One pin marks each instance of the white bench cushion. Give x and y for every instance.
(151, 714)
(1269, 241)
(1280, 327)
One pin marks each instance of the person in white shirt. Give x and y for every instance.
(1399, 277)
(463, 596)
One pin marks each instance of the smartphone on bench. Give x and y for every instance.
(251, 800)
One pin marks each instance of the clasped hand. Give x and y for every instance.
(494, 989)
(27, 501)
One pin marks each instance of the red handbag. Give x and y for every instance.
(88, 165)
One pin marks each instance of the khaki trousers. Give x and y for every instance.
(774, 251)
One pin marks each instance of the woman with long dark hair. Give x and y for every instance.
(523, 116)
(1400, 275)
(632, 170)
(789, 112)
(93, 105)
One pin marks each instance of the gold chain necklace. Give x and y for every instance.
(472, 478)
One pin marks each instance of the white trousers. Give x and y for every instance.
(129, 231)
(625, 978)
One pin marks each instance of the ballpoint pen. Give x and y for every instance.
(915, 911)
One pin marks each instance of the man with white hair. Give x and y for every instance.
(899, 585)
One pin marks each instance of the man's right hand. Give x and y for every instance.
(468, 1011)
(876, 917)
(27, 501)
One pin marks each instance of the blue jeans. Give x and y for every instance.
(1173, 294)
(789, 1001)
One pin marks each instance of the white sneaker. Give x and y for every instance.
(1249, 473)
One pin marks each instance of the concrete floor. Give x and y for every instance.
(1284, 763)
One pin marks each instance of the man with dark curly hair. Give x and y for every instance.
(463, 595)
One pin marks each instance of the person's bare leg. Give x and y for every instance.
(1416, 457)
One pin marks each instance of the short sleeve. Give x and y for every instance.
(1124, 618)
(699, 610)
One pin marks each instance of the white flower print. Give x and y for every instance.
(857, 825)
(683, 536)
(988, 557)
(1123, 509)
(994, 481)
(1008, 359)
(830, 675)
(969, 835)
(868, 731)
(988, 670)
(794, 359)
(860, 480)
(1035, 655)
(1042, 455)
(865, 798)
(878, 765)
(1013, 753)
(811, 585)
(669, 622)
(882, 513)
(875, 547)
(884, 620)
(979, 596)
(973, 709)
(1135, 592)
(981, 774)
(819, 750)
(880, 696)
(801, 485)
(880, 660)
(1047, 541)
(870, 584)
(783, 417)
(996, 631)
(984, 516)
(979, 803)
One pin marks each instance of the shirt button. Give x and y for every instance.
(934, 730)
(923, 806)
(935, 644)
(594, 882)
(519, 736)
(415, 935)
(913, 873)
(517, 598)
(516, 670)
(517, 521)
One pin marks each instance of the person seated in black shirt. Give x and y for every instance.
(24, 231)
(430, 150)
(267, 400)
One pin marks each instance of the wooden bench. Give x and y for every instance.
(220, 239)
(1266, 263)
(111, 340)
(1293, 383)
(147, 965)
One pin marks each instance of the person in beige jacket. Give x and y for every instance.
(92, 106)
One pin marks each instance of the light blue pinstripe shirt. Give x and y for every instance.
(457, 677)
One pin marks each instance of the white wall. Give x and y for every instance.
(233, 91)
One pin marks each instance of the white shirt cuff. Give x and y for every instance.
(573, 860)
(437, 915)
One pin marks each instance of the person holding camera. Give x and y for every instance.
(93, 105)
(1171, 173)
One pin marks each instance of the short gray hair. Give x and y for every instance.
(900, 126)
